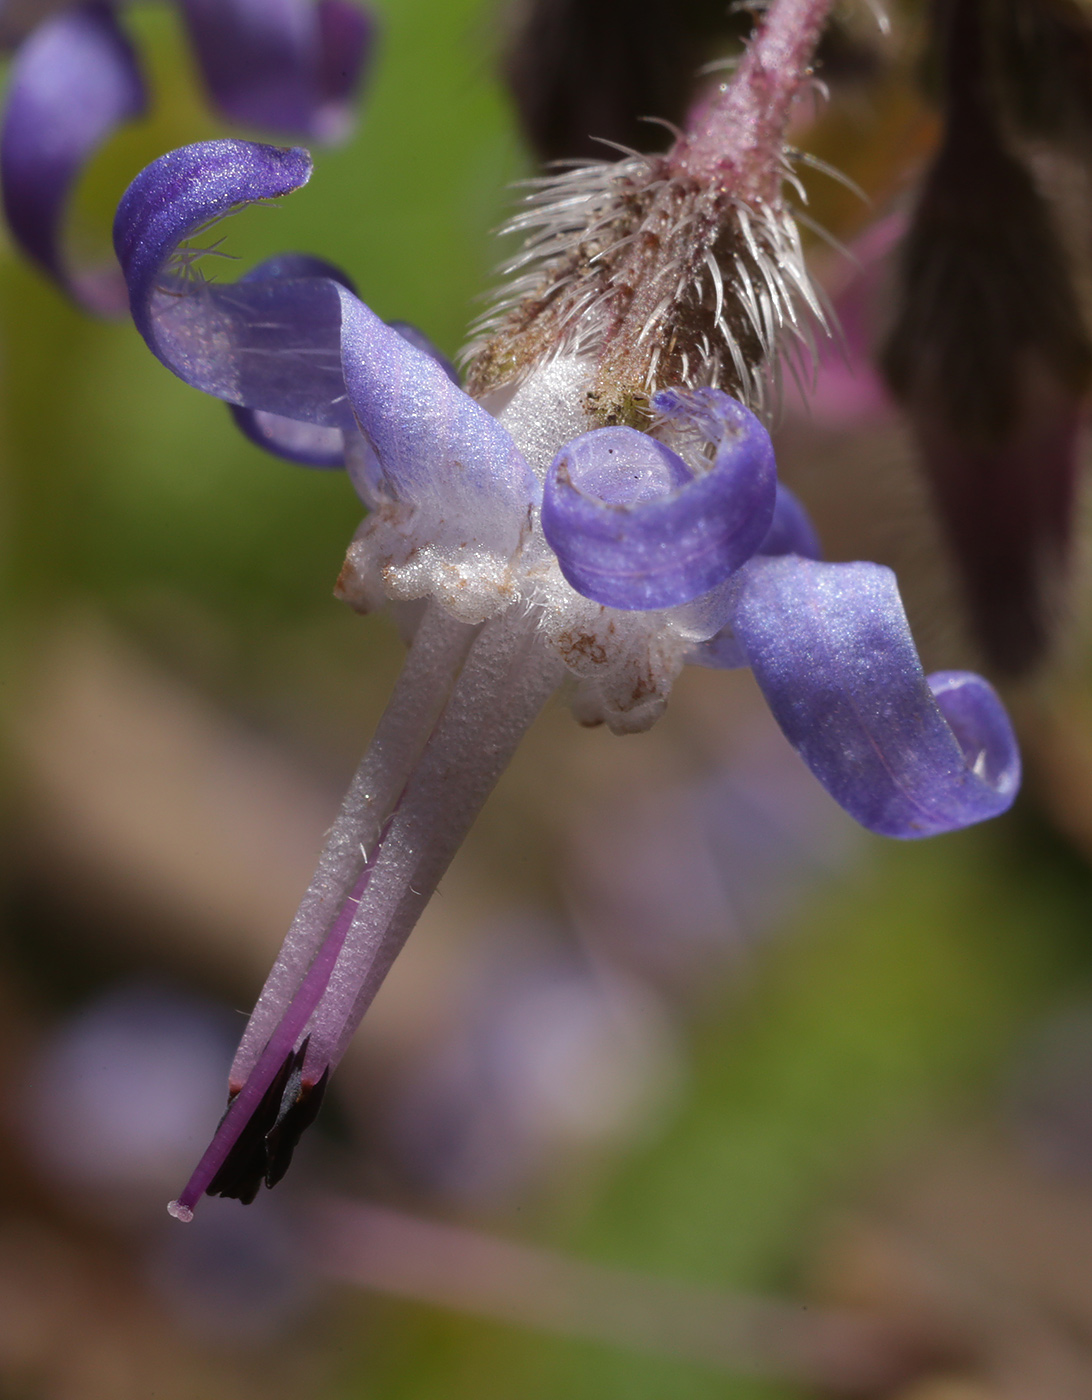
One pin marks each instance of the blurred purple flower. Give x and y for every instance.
(546, 1054)
(116, 1095)
(240, 1278)
(117, 1100)
(539, 548)
(288, 67)
(679, 883)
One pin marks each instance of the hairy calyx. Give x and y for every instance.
(677, 270)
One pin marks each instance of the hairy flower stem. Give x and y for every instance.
(675, 271)
(737, 131)
(718, 264)
(465, 699)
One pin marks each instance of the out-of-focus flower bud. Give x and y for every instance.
(991, 358)
(1045, 65)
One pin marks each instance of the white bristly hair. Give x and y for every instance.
(657, 279)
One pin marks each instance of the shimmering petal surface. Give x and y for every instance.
(634, 527)
(439, 450)
(292, 345)
(905, 755)
(272, 344)
(418, 338)
(308, 444)
(363, 465)
(286, 66)
(73, 82)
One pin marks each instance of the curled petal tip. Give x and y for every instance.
(291, 344)
(974, 713)
(635, 527)
(270, 342)
(831, 650)
(184, 190)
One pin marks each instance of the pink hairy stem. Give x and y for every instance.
(736, 133)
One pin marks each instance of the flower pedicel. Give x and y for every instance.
(600, 506)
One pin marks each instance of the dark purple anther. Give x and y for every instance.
(267, 1112)
(263, 1150)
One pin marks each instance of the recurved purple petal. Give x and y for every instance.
(304, 348)
(286, 66)
(635, 527)
(272, 343)
(73, 82)
(905, 754)
(308, 444)
(438, 449)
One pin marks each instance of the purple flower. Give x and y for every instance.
(526, 546)
(289, 67)
(613, 555)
